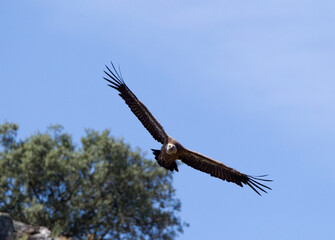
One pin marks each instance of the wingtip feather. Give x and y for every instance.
(257, 185)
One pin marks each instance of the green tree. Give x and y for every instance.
(102, 189)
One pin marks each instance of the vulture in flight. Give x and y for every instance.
(172, 150)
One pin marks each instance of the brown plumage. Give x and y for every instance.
(172, 150)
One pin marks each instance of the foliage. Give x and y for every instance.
(101, 189)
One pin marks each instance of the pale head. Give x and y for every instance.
(171, 148)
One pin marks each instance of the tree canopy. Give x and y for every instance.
(100, 188)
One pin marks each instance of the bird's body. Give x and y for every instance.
(169, 153)
(171, 149)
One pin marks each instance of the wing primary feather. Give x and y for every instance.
(265, 175)
(113, 76)
(111, 70)
(112, 86)
(120, 72)
(261, 179)
(253, 181)
(115, 84)
(255, 185)
(254, 189)
(116, 71)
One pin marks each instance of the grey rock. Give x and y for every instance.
(11, 230)
(6, 227)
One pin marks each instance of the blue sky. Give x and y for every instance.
(249, 83)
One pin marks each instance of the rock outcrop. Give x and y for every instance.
(12, 230)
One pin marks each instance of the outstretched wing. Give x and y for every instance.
(219, 170)
(135, 105)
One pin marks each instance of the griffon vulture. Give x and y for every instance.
(172, 150)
